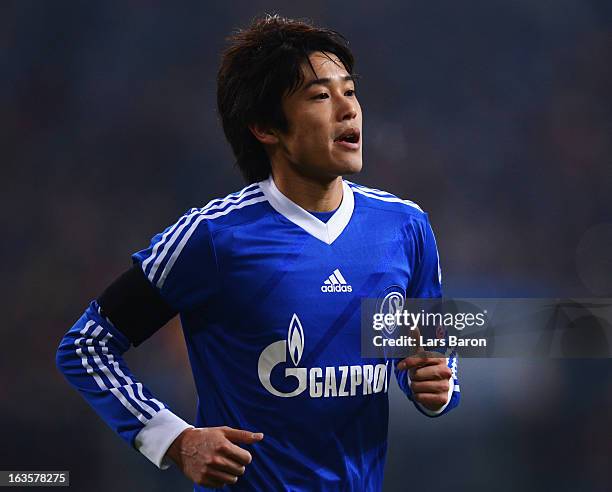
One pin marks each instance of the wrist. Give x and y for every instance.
(174, 450)
(157, 435)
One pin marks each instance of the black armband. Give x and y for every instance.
(134, 306)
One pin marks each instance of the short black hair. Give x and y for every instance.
(260, 65)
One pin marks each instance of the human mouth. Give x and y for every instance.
(349, 139)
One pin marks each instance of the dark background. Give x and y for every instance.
(495, 116)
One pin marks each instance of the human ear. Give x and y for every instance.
(264, 135)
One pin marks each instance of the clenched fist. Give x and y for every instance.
(209, 456)
(429, 375)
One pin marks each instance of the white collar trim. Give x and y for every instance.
(328, 231)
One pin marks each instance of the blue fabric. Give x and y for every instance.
(271, 319)
(90, 356)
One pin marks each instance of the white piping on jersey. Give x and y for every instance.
(111, 360)
(110, 376)
(362, 190)
(376, 191)
(232, 196)
(183, 222)
(451, 357)
(195, 223)
(89, 340)
(128, 381)
(217, 203)
(328, 231)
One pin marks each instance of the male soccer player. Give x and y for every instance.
(268, 283)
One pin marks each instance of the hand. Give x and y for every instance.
(429, 376)
(208, 455)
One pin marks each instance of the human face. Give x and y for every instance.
(322, 109)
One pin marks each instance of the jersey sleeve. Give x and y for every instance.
(181, 263)
(90, 356)
(426, 282)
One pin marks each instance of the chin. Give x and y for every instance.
(333, 168)
(350, 167)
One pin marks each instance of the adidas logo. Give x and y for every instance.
(336, 283)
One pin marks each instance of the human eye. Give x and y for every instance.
(322, 95)
(351, 92)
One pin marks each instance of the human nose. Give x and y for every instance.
(347, 110)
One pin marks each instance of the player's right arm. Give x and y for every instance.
(90, 356)
(129, 311)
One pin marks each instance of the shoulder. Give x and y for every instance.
(238, 207)
(386, 202)
(191, 236)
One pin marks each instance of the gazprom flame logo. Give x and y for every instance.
(295, 336)
(322, 382)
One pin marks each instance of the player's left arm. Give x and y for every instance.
(430, 382)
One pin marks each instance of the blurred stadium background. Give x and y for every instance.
(495, 116)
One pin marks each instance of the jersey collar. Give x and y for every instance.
(328, 231)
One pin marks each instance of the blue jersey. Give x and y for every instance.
(269, 298)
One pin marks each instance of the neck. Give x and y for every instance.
(316, 195)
